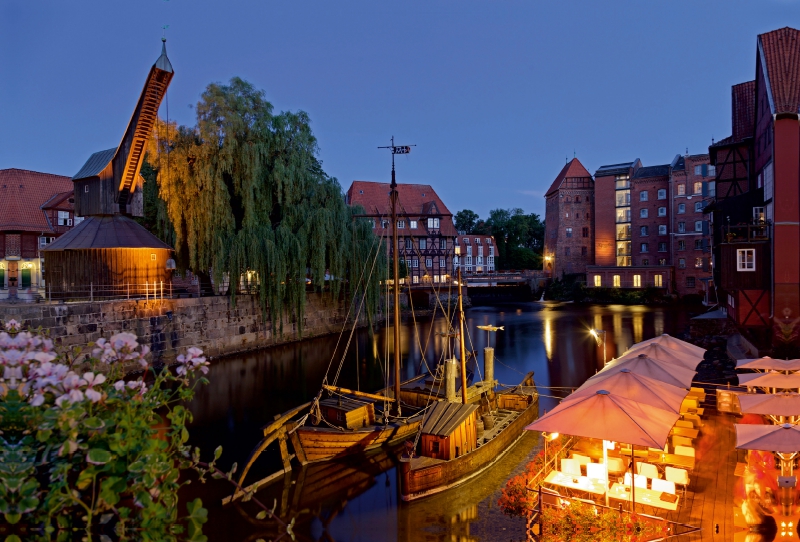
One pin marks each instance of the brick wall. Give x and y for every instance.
(172, 325)
(652, 239)
(687, 249)
(605, 221)
(569, 231)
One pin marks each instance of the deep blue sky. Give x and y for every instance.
(495, 94)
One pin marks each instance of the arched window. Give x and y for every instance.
(577, 199)
(569, 199)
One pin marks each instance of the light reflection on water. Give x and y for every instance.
(360, 502)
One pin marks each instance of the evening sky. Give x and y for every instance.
(495, 94)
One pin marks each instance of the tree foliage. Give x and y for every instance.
(244, 191)
(519, 236)
(465, 221)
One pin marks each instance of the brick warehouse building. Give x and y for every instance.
(475, 253)
(756, 211)
(35, 209)
(426, 231)
(569, 221)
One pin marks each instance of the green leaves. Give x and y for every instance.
(195, 520)
(96, 456)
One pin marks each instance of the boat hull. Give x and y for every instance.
(314, 444)
(422, 477)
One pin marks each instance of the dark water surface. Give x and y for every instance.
(358, 500)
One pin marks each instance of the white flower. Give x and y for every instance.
(93, 395)
(37, 400)
(94, 379)
(123, 340)
(119, 385)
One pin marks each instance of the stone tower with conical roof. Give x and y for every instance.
(569, 221)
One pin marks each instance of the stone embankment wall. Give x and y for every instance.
(170, 326)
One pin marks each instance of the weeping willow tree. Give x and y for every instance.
(245, 195)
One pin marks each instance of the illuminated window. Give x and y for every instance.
(415, 279)
(598, 281)
(616, 281)
(657, 281)
(401, 224)
(152, 257)
(681, 189)
(746, 259)
(637, 281)
(698, 262)
(698, 187)
(412, 224)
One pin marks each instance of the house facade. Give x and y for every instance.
(425, 228)
(475, 254)
(35, 209)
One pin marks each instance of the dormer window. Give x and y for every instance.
(433, 223)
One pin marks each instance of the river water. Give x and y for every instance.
(358, 501)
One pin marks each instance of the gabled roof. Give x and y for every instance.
(110, 231)
(413, 199)
(96, 163)
(57, 200)
(445, 417)
(743, 109)
(22, 194)
(652, 171)
(571, 170)
(779, 53)
(616, 169)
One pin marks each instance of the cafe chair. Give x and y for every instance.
(659, 450)
(639, 480)
(616, 465)
(596, 471)
(685, 424)
(697, 393)
(681, 441)
(690, 406)
(693, 418)
(664, 486)
(581, 459)
(647, 470)
(684, 450)
(679, 477)
(570, 467)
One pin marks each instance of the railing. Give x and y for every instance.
(746, 233)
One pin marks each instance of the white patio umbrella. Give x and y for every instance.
(783, 439)
(671, 342)
(635, 387)
(770, 404)
(671, 373)
(604, 415)
(770, 380)
(662, 353)
(769, 363)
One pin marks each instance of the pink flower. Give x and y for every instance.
(119, 385)
(94, 379)
(93, 395)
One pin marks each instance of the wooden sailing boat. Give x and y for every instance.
(454, 446)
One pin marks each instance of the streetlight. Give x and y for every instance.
(596, 334)
(545, 262)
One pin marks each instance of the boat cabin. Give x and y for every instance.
(449, 431)
(517, 399)
(345, 412)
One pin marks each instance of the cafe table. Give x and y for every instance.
(576, 483)
(644, 496)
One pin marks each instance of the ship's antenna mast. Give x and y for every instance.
(396, 149)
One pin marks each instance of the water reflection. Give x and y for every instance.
(359, 500)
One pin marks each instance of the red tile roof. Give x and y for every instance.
(781, 58)
(572, 170)
(414, 199)
(22, 194)
(743, 106)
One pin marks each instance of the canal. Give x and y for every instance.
(358, 501)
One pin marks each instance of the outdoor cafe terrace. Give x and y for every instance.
(711, 462)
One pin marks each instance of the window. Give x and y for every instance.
(408, 243)
(662, 247)
(63, 218)
(746, 259)
(584, 251)
(477, 240)
(443, 244)
(566, 251)
(637, 281)
(681, 189)
(598, 281)
(86, 189)
(577, 199)
(682, 263)
(43, 242)
(488, 240)
(657, 281)
(415, 279)
(616, 281)
(428, 263)
(643, 195)
(698, 207)
(712, 170)
(698, 263)
(643, 231)
(681, 245)
(152, 257)
(401, 224)
(384, 223)
(690, 282)
(412, 224)
(491, 251)
(480, 260)
(643, 213)
(662, 229)
(408, 264)
(759, 215)
(698, 244)
(585, 232)
(662, 261)
(662, 193)
(423, 244)
(469, 260)
(698, 187)
(645, 261)
(644, 247)
(681, 227)
(433, 223)
(681, 208)
(698, 170)
(698, 225)
(466, 240)
(442, 262)
(662, 211)
(415, 263)
(469, 250)
(569, 232)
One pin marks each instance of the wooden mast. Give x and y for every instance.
(463, 348)
(396, 290)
